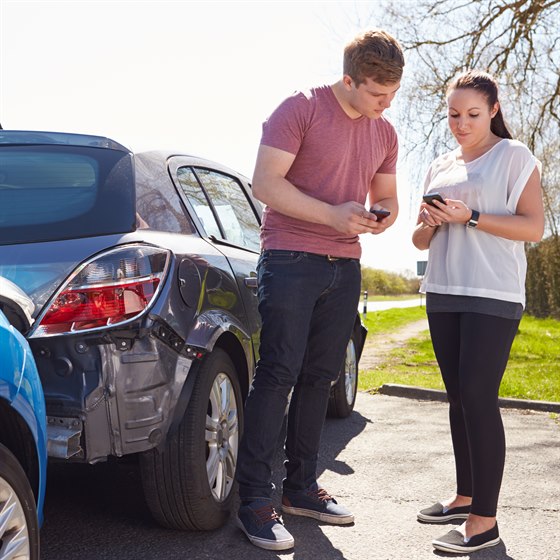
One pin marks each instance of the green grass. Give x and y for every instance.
(392, 319)
(401, 297)
(533, 370)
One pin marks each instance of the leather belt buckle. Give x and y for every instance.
(332, 259)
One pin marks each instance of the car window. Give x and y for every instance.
(158, 204)
(56, 186)
(197, 198)
(236, 215)
(62, 192)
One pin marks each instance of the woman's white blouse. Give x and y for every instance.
(467, 261)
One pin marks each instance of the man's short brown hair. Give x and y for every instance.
(376, 55)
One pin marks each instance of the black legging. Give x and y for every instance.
(472, 351)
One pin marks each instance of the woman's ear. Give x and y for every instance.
(495, 109)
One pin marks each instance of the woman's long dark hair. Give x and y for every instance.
(485, 84)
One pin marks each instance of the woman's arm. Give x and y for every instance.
(527, 224)
(427, 226)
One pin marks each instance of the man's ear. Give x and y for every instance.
(347, 81)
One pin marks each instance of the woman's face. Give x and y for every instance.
(469, 117)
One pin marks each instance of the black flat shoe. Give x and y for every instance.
(440, 514)
(454, 541)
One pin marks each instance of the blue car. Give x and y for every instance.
(23, 445)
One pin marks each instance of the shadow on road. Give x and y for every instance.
(97, 512)
(497, 552)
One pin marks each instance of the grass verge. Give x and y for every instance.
(378, 322)
(400, 297)
(533, 370)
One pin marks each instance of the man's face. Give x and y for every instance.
(370, 99)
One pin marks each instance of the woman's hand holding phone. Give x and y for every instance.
(429, 210)
(436, 210)
(429, 199)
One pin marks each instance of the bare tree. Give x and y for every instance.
(518, 41)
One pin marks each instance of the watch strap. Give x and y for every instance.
(473, 221)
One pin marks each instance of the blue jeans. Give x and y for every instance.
(308, 305)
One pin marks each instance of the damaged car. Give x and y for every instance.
(140, 270)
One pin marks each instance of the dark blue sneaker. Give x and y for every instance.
(263, 527)
(315, 502)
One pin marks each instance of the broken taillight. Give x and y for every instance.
(112, 288)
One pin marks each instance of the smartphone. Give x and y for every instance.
(380, 214)
(429, 198)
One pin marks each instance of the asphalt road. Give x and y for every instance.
(389, 459)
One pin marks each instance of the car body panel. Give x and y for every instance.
(20, 386)
(121, 385)
(32, 137)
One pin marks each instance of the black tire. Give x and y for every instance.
(343, 392)
(178, 489)
(15, 491)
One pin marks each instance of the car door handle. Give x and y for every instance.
(251, 282)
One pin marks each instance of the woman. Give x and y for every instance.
(474, 284)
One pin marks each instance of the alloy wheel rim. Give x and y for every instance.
(222, 437)
(350, 372)
(14, 534)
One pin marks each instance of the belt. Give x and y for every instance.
(330, 258)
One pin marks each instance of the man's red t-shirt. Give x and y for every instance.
(336, 159)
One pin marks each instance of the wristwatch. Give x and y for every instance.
(473, 221)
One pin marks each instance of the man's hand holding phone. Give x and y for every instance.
(379, 213)
(380, 221)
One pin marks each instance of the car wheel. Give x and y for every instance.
(190, 483)
(19, 528)
(343, 392)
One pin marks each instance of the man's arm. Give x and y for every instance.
(383, 193)
(271, 187)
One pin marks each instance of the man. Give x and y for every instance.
(322, 152)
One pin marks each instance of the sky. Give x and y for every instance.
(199, 77)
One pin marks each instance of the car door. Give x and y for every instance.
(231, 222)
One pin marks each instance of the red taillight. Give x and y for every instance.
(115, 287)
